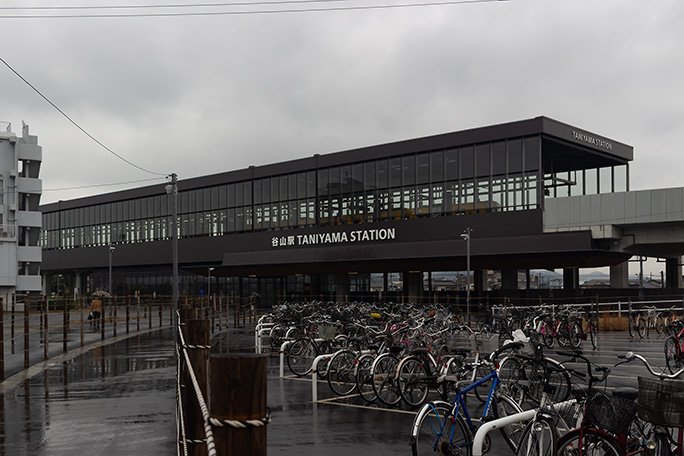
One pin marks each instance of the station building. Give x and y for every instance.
(334, 226)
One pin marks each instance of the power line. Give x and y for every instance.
(101, 185)
(74, 123)
(180, 5)
(240, 13)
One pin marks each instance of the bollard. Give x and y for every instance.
(46, 333)
(238, 393)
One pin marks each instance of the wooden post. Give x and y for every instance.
(65, 324)
(161, 317)
(128, 314)
(137, 312)
(238, 392)
(46, 327)
(114, 318)
(102, 321)
(82, 305)
(149, 309)
(196, 334)
(27, 304)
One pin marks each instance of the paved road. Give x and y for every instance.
(115, 399)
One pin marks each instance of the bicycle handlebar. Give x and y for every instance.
(631, 356)
(574, 355)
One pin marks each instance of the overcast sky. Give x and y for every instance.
(198, 95)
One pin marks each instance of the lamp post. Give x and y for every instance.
(209, 285)
(466, 237)
(111, 250)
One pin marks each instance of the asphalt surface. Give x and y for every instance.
(119, 399)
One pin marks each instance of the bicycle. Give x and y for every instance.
(674, 351)
(446, 427)
(636, 324)
(588, 330)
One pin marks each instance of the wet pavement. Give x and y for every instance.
(119, 399)
(115, 399)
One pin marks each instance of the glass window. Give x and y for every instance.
(591, 181)
(422, 168)
(605, 180)
(275, 189)
(258, 184)
(482, 160)
(578, 188)
(357, 178)
(282, 192)
(311, 184)
(467, 157)
(207, 203)
(514, 156)
(408, 165)
(239, 195)
(620, 176)
(230, 195)
(395, 172)
(230, 220)
(345, 179)
(292, 186)
(437, 166)
(247, 192)
(498, 158)
(266, 190)
(437, 199)
(222, 197)
(192, 200)
(301, 185)
(531, 154)
(323, 181)
(382, 173)
(334, 183)
(451, 161)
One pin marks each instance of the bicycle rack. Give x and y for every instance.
(262, 330)
(314, 373)
(282, 357)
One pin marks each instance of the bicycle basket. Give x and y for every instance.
(327, 331)
(610, 413)
(661, 402)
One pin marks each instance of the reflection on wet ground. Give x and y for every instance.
(117, 399)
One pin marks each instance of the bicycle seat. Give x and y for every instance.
(420, 351)
(626, 392)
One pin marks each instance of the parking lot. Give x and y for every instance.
(349, 426)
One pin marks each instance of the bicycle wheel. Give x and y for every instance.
(631, 325)
(539, 438)
(341, 373)
(593, 336)
(641, 327)
(300, 356)
(558, 384)
(364, 381)
(563, 335)
(413, 381)
(437, 432)
(574, 335)
(384, 375)
(592, 443)
(503, 406)
(277, 337)
(548, 336)
(673, 357)
(659, 324)
(325, 346)
(510, 376)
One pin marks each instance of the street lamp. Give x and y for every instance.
(466, 237)
(111, 250)
(209, 285)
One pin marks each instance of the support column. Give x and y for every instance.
(480, 282)
(570, 279)
(619, 275)
(673, 273)
(509, 279)
(413, 285)
(341, 287)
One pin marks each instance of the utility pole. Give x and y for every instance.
(172, 190)
(466, 237)
(111, 251)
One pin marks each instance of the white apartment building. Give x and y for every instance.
(20, 217)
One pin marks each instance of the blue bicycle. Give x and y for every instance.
(445, 428)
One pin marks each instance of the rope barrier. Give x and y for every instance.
(241, 424)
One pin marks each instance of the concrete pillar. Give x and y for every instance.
(619, 275)
(673, 273)
(341, 287)
(480, 284)
(509, 279)
(413, 285)
(570, 279)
